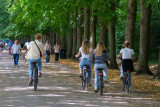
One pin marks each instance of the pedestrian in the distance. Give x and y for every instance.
(47, 49)
(16, 51)
(56, 51)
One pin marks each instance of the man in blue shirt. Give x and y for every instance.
(10, 46)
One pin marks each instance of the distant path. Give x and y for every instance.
(59, 87)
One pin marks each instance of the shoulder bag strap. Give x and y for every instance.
(38, 49)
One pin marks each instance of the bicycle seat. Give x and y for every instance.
(86, 67)
(100, 69)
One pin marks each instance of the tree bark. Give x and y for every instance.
(144, 39)
(63, 41)
(93, 29)
(87, 23)
(74, 42)
(158, 69)
(79, 30)
(103, 32)
(111, 28)
(70, 44)
(131, 20)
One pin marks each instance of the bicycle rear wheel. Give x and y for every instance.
(101, 86)
(127, 82)
(35, 79)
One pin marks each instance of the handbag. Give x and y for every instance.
(38, 49)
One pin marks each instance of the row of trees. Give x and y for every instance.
(71, 21)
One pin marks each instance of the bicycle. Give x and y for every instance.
(100, 80)
(126, 81)
(35, 76)
(85, 77)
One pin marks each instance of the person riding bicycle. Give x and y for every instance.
(34, 54)
(85, 51)
(9, 46)
(127, 55)
(27, 45)
(99, 56)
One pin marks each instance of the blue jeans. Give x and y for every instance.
(16, 58)
(104, 66)
(47, 56)
(31, 61)
(130, 76)
(85, 61)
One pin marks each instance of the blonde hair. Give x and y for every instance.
(99, 48)
(85, 47)
(38, 36)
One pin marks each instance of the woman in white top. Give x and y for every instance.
(56, 51)
(127, 55)
(85, 51)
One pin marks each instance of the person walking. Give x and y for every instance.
(16, 51)
(56, 51)
(47, 49)
(9, 47)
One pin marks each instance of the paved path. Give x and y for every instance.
(59, 87)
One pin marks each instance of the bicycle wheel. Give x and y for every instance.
(87, 81)
(127, 82)
(84, 80)
(101, 86)
(35, 79)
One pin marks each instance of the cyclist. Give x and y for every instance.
(99, 56)
(47, 49)
(9, 46)
(15, 51)
(85, 50)
(27, 45)
(35, 52)
(127, 55)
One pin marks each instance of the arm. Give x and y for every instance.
(120, 55)
(78, 55)
(133, 56)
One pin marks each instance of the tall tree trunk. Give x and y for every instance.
(93, 29)
(79, 29)
(70, 44)
(74, 42)
(103, 32)
(63, 41)
(144, 39)
(131, 20)
(111, 29)
(158, 69)
(86, 23)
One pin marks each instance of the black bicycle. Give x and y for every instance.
(35, 76)
(85, 77)
(126, 81)
(100, 80)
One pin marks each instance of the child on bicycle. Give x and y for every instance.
(99, 56)
(85, 51)
(127, 55)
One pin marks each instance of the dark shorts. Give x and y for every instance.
(127, 64)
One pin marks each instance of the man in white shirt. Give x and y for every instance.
(16, 50)
(34, 55)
